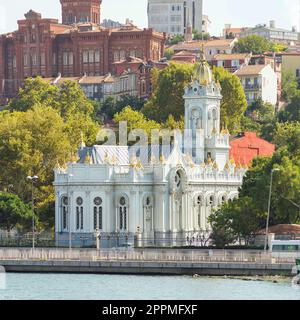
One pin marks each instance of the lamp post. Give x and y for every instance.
(33, 179)
(269, 209)
(69, 211)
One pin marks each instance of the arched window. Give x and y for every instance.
(79, 213)
(199, 204)
(98, 214)
(123, 214)
(223, 199)
(148, 214)
(64, 204)
(211, 201)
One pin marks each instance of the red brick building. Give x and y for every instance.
(245, 148)
(80, 46)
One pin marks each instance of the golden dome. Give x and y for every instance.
(202, 72)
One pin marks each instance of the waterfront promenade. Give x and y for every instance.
(149, 261)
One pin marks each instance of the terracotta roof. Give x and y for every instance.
(198, 44)
(250, 70)
(244, 149)
(283, 229)
(234, 56)
(234, 30)
(97, 79)
(184, 53)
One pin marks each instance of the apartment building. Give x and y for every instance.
(173, 16)
(259, 81)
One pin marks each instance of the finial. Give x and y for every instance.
(153, 160)
(106, 158)
(88, 159)
(227, 166)
(209, 160)
(162, 159)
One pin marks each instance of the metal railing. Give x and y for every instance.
(141, 255)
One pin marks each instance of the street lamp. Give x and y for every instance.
(33, 179)
(269, 209)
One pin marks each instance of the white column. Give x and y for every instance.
(108, 208)
(57, 212)
(159, 209)
(171, 212)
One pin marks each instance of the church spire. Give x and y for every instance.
(188, 37)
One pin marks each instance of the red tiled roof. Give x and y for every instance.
(283, 229)
(245, 149)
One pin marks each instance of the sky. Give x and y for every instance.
(237, 12)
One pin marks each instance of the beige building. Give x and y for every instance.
(99, 88)
(291, 62)
(259, 81)
(211, 47)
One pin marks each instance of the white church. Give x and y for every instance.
(108, 193)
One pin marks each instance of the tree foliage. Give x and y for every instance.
(168, 89)
(248, 214)
(41, 129)
(167, 95)
(255, 44)
(234, 103)
(136, 120)
(14, 213)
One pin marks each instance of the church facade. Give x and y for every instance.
(112, 191)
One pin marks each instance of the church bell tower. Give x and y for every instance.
(202, 117)
(81, 11)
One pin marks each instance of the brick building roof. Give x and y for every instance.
(244, 149)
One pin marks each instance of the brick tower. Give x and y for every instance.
(75, 11)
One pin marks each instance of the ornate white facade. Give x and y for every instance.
(166, 202)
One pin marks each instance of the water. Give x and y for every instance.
(115, 287)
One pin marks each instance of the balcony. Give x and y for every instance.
(252, 87)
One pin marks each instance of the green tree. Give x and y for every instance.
(175, 39)
(200, 35)
(169, 52)
(261, 112)
(290, 86)
(35, 91)
(255, 44)
(172, 124)
(234, 103)
(136, 120)
(237, 220)
(32, 143)
(67, 99)
(71, 99)
(14, 213)
(167, 95)
(292, 111)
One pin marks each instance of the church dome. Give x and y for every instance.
(202, 72)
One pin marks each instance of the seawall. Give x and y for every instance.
(149, 268)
